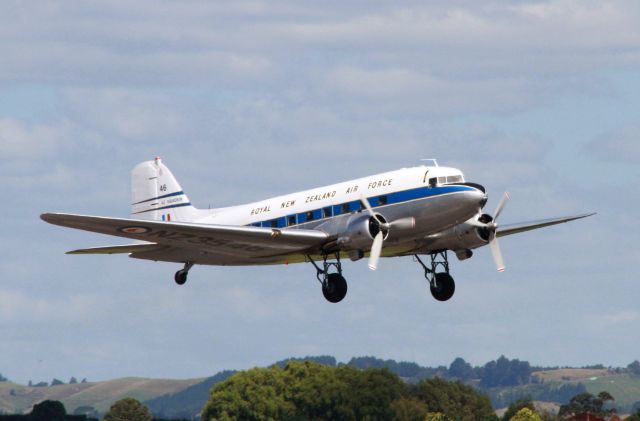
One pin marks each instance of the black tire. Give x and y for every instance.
(335, 288)
(180, 277)
(445, 287)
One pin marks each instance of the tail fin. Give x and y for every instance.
(156, 194)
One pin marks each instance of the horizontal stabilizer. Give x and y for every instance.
(528, 226)
(128, 248)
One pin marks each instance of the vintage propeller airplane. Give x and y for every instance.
(425, 210)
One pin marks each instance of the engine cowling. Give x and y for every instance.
(463, 237)
(359, 232)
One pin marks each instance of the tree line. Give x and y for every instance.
(306, 390)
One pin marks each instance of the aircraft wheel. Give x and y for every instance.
(334, 288)
(181, 277)
(445, 287)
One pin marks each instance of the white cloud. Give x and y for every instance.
(19, 140)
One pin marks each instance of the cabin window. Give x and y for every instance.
(327, 212)
(442, 180)
(433, 182)
(345, 208)
(309, 216)
(255, 224)
(382, 200)
(273, 223)
(454, 179)
(291, 220)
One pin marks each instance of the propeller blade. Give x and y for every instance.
(376, 249)
(503, 201)
(368, 207)
(497, 254)
(404, 223)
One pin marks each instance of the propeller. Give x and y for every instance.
(383, 227)
(493, 239)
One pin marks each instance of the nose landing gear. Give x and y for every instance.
(441, 284)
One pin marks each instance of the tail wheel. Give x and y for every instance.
(444, 287)
(334, 288)
(181, 277)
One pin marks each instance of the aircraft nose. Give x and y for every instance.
(476, 197)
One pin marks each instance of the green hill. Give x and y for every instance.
(16, 398)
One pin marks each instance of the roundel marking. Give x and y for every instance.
(134, 230)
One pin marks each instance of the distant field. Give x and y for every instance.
(570, 374)
(624, 388)
(100, 395)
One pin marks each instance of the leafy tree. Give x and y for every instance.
(454, 399)
(587, 403)
(409, 409)
(3, 378)
(371, 391)
(526, 414)
(317, 392)
(256, 394)
(56, 382)
(48, 411)
(305, 390)
(73, 380)
(505, 372)
(460, 369)
(321, 359)
(634, 368)
(128, 409)
(516, 406)
(437, 416)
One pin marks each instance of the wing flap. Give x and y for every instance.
(528, 226)
(221, 239)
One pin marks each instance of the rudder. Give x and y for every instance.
(157, 195)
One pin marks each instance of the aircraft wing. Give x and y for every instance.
(528, 226)
(218, 239)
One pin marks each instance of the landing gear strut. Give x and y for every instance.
(334, 286)
(441, 283)
(181, 275)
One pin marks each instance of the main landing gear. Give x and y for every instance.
(181, 275)
(441, 283)
(334, 286)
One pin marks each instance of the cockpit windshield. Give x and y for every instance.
(446, 179)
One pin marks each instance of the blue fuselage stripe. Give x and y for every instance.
(179, 205)
(178, 193)
(355, 205)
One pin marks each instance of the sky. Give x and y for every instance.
(245, 100)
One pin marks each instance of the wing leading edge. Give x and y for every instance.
(532, 225)
(216, 239)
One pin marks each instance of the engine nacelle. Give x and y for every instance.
(465, 236)
(359, 232)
